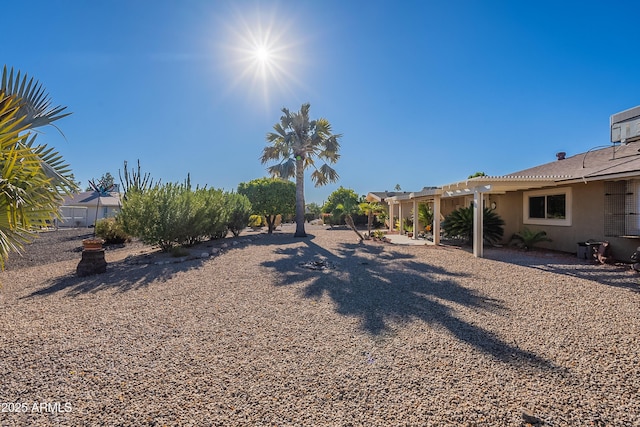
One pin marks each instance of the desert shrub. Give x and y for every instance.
(174, 214)
(216, 213)
(111, 231)
(459, 223)
(238, 211)
(152, 215)
(256, 221)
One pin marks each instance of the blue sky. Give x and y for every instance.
(424, 93)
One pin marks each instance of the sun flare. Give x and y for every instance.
(261, 56)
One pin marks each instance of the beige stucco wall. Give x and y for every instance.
(587, 221)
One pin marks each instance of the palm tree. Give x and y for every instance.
(296, 143)
(370, 209)
(34, 177)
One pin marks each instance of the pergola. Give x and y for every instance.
(477, 188)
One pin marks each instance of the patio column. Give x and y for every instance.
(435, 228)
(415, 219)
(390, 217)
(478, 237)
(401, 230)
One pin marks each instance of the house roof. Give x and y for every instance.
(614, 161)
(380, 196)
(600, 163)
(91, 198)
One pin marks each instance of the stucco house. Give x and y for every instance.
(593, 195)
(85, 208)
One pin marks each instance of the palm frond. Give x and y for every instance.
(35, 104)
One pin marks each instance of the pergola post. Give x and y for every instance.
(390, 217)
(415, 219)
(435, 228)
(478, 237)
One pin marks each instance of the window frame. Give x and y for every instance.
(564, 222)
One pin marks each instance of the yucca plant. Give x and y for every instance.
(527, 238)
(34, 177)
(459, 223)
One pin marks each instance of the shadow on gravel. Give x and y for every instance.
(619, 275)
(121, 276)
(391, 287)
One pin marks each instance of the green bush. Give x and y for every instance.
(238, 212)
(459, 223)
(111, 231)
(174, 214)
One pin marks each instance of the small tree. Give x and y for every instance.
(370, 209)
(270, 197)
(342, 204)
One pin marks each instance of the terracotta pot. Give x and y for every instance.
(92, 244)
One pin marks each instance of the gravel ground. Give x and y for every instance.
(385, 335)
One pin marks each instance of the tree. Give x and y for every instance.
(270, 197)
(296, 143)
(105, 182)
(342, 204)
(370, 209)
(34, 176)
(477, 174)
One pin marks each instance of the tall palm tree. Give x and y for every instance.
(296, 143)
(34, 177)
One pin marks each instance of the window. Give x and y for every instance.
(548, 207)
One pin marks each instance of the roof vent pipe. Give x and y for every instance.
(561, 155)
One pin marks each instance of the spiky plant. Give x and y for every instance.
(459, 223)
(527, 238)
(34, 176)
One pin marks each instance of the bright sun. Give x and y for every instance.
(260, 53)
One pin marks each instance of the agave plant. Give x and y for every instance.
(459, 223)
(34, 177)
(527, 238)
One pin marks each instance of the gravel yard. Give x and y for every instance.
(385, 335)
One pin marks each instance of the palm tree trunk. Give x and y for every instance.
(348, 219)
(300, 198)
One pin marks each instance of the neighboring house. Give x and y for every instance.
(589, 196)
(83, 209)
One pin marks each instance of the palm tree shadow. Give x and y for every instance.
(384, 287)
(121, 276)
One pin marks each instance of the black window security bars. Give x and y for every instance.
(621, 208)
